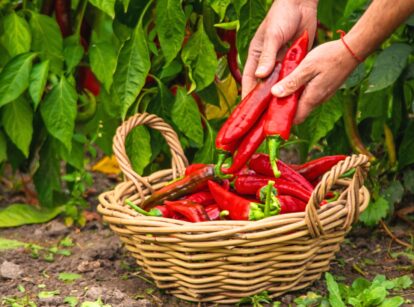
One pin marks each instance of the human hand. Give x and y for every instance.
(321, 73)
(285, 21)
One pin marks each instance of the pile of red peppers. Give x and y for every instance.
(254, 186)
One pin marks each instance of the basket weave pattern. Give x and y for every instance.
(223, 261)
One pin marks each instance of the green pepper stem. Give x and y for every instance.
(224, 213)
(222, 156)
(136, 208)
(270, 185)
(273, 144)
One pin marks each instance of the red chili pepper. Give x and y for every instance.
(193, 167)
(290, 204)
(260, 164)
(203, 198)
(281, 111)
(192, 211)
(251, 184)
(247, 148)
(160, 211)
(87, 80)
(196, 181)
(230, 37)
(238, 207)
(62, 13)
(223, 151)
(213, 212)
(315, 168)
(280, 203)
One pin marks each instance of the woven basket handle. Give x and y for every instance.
(361, 165)
(178, 163)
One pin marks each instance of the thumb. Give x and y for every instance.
(293, 82)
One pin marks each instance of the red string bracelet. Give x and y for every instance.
(356, 57)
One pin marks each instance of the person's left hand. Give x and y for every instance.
(321, 73)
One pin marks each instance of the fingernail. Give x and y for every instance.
(261, 70)
(277, 90)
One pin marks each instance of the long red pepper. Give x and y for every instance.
(203, 198)
(247, 147)
(223, 151)
(192, 211)
(238, 207)
(193, 167)
(290, 204)
(194, 182)
(260, 164)
(281, 111)
(250, 184)
(317, 167)
(213, 212)
(62, 13)
(230, 37)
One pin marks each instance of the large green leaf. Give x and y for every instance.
(251, 16)
(321, 121)
(17, 120)
(373, 105)
(38, 80)
(138, 145)
(388, 66)
(334, 295)
(132, 69)
(162, 103)
(206, 154)
(16, 37)
(103, 59)
(73, 51)
(220, 7)
(22, 214)
(186, 116)
(330, 12)
(406, 149)
(14, 78)
(3, 147)
(106, 6)
(47, 40)
(375, 211)
(59, 112)
(170, 21)
(238, 4)
(200, 59)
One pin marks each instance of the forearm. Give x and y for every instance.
(377, 23)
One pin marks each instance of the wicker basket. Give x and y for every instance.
(223, 261)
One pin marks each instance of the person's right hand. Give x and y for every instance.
(285, 21)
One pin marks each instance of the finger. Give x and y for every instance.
(272, 43)
(249, 79)
(294, 81)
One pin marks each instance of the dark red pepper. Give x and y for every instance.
(281, 111)
(193, 212)
(203, 198)
(251, 184)
(87, 80)
(238, 207)
(62, 13)
(313, 169)
(196, 181)
(230, 37)
(260, 164)
(247, 148)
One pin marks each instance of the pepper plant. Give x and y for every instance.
(71, 71)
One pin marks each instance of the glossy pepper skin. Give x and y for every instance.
(203, 198)
(238, 207)
(193, 167)
(247, 147)
(160, 211)
(213, 212)
(193, 212)
(281, 111)
(290, 204)
(196, 181)
(251, 185)
(260, 164)
(317, 167)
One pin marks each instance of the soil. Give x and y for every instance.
(108, 273)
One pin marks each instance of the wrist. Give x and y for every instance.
(353, 39)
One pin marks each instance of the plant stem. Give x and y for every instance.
(390, 145)
(80, 12)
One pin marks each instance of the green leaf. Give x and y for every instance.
(367, 109)
(68, 277)
(132, 69)
(334, 296)
(3, 147)
(200, 59)
(75, 156)
(220, 7)
(72, 301)
(47, 40)
(321, 121)
(402, 282)
(353, 5)
(163, 102)
(16, 36)
(103, 60)
(238, 4)
(357, 76)
(408, 179)
(106, 6)
(73, 51)
(388, 66)
(38, 80)
(186, 116)
(59, 112)
(170, 22)
(210, 95)
(17, 120)
(374, 295)
(138, 145)
(14, 78)
(22, 214)
(330, 12)
(392, 302)
(251, 16)
(406, 149)
(394, 192)
(6, 244)
(206, 154)
(375, 212)
(48, 294)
